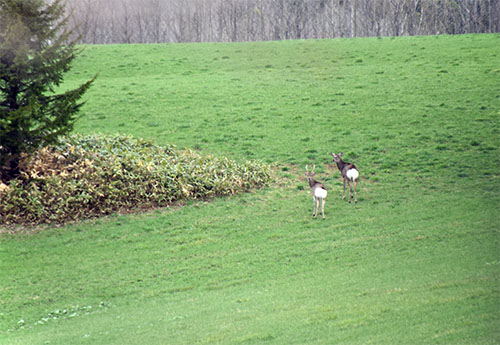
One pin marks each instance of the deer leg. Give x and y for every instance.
(350, 190)
(344, 190)
(317, 208)
(314, 206)
(323, 207)
(355, 192)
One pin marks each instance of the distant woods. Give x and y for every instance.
(155, 21)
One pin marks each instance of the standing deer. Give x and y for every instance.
(349, 173)
(318, 191)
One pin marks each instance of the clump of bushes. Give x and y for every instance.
(88, 176)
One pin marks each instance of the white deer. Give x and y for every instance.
(350, 174)
(318, 191)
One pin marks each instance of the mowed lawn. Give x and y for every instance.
(416, 261)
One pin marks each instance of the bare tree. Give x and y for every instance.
(147, 21)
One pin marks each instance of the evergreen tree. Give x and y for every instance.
(35, 52)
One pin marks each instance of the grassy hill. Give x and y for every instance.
(414, 262)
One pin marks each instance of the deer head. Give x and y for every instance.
(310, 174)
(337, 158)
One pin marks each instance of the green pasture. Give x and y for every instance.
(416, 261)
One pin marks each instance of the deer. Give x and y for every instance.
(319, 193)
(350, 174)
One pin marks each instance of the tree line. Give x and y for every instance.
(157, 21)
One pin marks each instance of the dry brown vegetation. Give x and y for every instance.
(87, 176)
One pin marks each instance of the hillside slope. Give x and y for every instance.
(415, 261)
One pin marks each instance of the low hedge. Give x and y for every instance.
(88, 176)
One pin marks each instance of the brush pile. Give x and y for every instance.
(88, 176)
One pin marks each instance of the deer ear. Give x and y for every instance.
(332, 154)
(340, 154)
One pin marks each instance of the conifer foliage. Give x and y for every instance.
(35, 52)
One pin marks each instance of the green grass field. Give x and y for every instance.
(416, 261)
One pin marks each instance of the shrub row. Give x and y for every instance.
(87, 176)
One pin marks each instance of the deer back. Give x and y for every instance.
(347, 167)
(318, 189)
